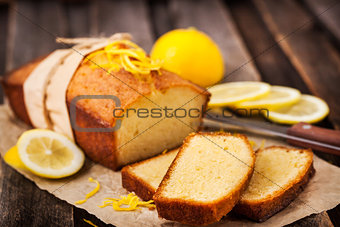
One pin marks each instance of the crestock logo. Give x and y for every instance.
(165, 112)
(252, 112)
(74, 116)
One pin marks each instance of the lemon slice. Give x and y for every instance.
(278, 97)
(12, 158)
(309, 109)
(49, 154)
(235, 92)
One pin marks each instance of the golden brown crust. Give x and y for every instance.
(198, 213)
(121, 84)
(15, 95)
(99, 146)
(13, 86)
(262, 210)
(133, 183)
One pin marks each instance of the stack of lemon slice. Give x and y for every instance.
(284, 104)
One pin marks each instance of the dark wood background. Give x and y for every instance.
(290, 42)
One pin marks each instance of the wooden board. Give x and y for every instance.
(314, 220)
(329, 20)
(3, 42)
(22, 202)
(308, 50)
(214, 18)
(124, 16)
(34, 26)
(3, 35)
(160, 17)
(274, 66)
(78, 19)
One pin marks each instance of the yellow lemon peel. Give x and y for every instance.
(252, 143)
(166, 150)
(90, 194)
(12, 158)
(90, 222)
(127, 55)
(131, 202)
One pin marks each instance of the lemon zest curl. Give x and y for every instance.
(127, 203)
(127, 55)
(90, 194)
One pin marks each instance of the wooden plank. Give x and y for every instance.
(273, 65)
(33, 27)
(314, 220)
(331, 19)
(23, 204)
(308, 50)
(125, 16)
(160, 17)
(78, 18)
(3, 42)
(334, 214)
(81, 214)
(3, 35)
(214, 18)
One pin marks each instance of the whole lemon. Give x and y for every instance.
(191, 54)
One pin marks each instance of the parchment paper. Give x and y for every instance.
(322, 192)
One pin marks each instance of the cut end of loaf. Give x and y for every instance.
(142, 138)
(206, 178)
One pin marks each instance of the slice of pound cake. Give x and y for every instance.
(206, 179)
(144, 177)
(280, 174)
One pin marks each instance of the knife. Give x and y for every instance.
(301, 134)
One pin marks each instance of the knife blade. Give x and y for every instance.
(302, 134)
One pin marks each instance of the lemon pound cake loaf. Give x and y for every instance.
(280, 175)
(144, 177)
(143, 100)
(206, 179)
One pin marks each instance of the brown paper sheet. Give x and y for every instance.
(322, 192)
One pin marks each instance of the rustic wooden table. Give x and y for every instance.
(288, 42)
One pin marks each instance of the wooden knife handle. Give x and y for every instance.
(308, 131)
